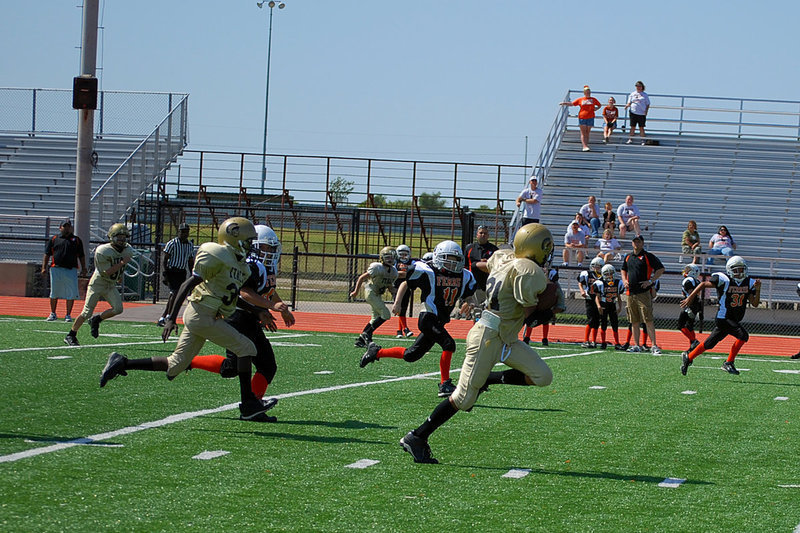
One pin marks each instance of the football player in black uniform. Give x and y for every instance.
(607, 291)
(586, 281)
(441, 286)
(257, 294)
(734, 291)
(403, 262)
(691, 279)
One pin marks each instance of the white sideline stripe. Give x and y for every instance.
(789, 486)
(672, 482)
(362, 463)
(783, 371)
(60, 357)
(597, 387)
(104, 444)
(781, 398)
(296, 345)
(10, 350)
(323, 372)
(689, 392)
(517, 473)
(194, 414)
(205, 456)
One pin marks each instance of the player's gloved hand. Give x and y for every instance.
(539, 317)
(169, 327)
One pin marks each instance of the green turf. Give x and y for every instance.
(596, 456)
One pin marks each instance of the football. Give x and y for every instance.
(548, 297)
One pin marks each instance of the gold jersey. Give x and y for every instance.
(513, 285)
(381, 277)
(105, 257)
(223, 275)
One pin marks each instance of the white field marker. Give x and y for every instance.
(789, 486)
(597, 387)
(783, 371)
(60, 357)
(323, 372)
(689, 392)
(104, 444)
(781, 398)
(362, 463)
(671, 482)
(205, 456)
(517, 473)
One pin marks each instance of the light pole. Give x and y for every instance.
(271, 4)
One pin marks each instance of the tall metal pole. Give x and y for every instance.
(83, 172)
(266, 104)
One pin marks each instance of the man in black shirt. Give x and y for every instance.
(476, 255)
(640, 270)
(62, 253)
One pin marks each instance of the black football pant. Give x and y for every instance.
(249, 326)
(431, 331)
(722, 328)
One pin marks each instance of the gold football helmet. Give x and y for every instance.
(388, 255)
(237, 233)
(118, 234)
(534, 242)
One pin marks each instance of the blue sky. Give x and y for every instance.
(439, 80)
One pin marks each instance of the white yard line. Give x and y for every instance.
(91, 439)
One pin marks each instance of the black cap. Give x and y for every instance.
(639, 237)
(183, 226)
(65, 222)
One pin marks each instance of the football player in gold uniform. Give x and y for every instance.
(219, 272)
(109, 265)
(516, 278)
(379, 277)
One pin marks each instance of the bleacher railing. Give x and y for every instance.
(753, 118)
(49, 111)
(142, 169)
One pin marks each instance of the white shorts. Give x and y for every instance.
(64, 283)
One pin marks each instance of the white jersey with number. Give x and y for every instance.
(381, 277)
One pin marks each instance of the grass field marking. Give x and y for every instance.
(781, 398)
(205, 456)
(689, 392)
(57, 357)
(117, 345)
(720, 368)
(597, 387)
(194, 414)
(784, 371)
(789, 486)
(362, 463)
(517, 473)
(672, 482)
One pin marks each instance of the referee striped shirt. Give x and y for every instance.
(179, 253)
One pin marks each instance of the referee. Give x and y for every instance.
(178, 254)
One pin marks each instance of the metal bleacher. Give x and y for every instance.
(742, 172)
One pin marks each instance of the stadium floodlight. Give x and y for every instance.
(271, 4)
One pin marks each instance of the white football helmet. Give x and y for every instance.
(267, 247)
(448, 256)
(403, 253)
(608, 272)
(597, 265)
(388, 256)
(427, 257)
(691, 271)
(798, 289)
(736, 268)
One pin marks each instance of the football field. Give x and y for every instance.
(618, 442)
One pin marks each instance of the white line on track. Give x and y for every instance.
(91, 439)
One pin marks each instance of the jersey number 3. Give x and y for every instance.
(233, 293)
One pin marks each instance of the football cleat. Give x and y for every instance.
(618, 347)
(114, 367)
(261, 417)
(446, 388)
(161, 322)
(51, 317)
(362, 341)
(586, 344)
(655, 350)
(252, 408)
(94, 325)
(545, 342)
(685, 362)
(418, 448)
(603, 345)
(635, 349)
(728, 367)
(68, 318)
(626, 346)
(408, 333)
(371, 355)
(796, 356)
(399, 334)
(526, 340)
(71, 339)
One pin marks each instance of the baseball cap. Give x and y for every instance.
(533, 178)
(586, 88)
(183, 226)
(638, 237)
(65, 222)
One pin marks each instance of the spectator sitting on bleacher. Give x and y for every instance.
(721, 243)
(609, 218)
(690, 243)
(609, 246)
(628, 215)
(574, 240)
(589, 212)
(582, 223)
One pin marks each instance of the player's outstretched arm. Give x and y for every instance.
(281, 307)
(697, 290)
(755, 299)
(359, 282)
(184, 290)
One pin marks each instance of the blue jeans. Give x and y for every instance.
(595, 222)
(727, 251)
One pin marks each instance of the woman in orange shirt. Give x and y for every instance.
(588, 105)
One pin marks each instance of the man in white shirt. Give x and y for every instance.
(531, 197)
(574, 239)
(590, 214)
(628, 217)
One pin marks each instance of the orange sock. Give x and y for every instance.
(396, 352)
(594, 335)
(403, 324)
(586, 333)
(689, 334)
(259, 385)
(737, 345)
(444, 365)
(209, 363)
(700, 348)
(545, 330)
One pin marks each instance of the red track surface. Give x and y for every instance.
(667, 340)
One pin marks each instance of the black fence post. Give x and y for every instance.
(295, 263)
(467, 227)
